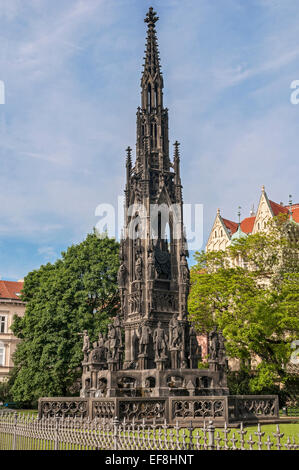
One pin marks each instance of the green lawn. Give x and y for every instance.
(288, 429)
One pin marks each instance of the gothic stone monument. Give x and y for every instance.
(159, 355)
(146, 366)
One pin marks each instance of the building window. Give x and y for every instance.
(2, 354)
(2, 324)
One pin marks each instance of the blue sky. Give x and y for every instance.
(72, 71)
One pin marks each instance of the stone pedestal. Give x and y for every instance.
(174, 358)
(160, 363)
(112, 364)
(142, 362)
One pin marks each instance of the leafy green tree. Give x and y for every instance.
(77, 292)
(251, 292)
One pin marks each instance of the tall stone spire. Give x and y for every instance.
(152, 119)
(151, 81)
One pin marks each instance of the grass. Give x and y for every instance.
(289, 430)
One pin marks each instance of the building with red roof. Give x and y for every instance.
(10, 305)
(224, 231)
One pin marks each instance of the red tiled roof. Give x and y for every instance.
(296, 214)
(232, 226)
(247, 224)
(294, 206)
(278, 209)
(10, 289)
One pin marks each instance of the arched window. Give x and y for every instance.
(149, 97)
(215, 233)
(156, 96)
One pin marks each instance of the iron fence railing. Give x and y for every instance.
(23, 432)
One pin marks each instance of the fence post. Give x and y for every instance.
(190, 436)
(14, 442)
(56, 441)
(115, 433)
(211, 433)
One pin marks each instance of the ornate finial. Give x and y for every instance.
(176, 150)
(129, 151)
(263, 189)
(291, 205)
(151, 17)
(218, 211)
(239, 213)
(252, 211)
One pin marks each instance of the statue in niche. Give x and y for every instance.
(160, 342)
(86, 345)
(144, 333)
(122, 276)
(151, 271)
(117, 326)
(101, 346)
(185, 273)
(162, 262)
(138, 268)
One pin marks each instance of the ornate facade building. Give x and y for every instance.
(10, 305)
(224, 231)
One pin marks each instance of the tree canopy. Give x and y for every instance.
(251, 292)
(77, 292)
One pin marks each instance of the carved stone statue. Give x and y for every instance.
(185, 273)
(117, 326)
(214, 344)
(122, 276)
(101, 347)
(86, 345)
(138, 268)
(144, 333)
(175, 333)
(112, 342)
(151, 271)
(160, 342)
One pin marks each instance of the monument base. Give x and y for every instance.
(230, 409)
